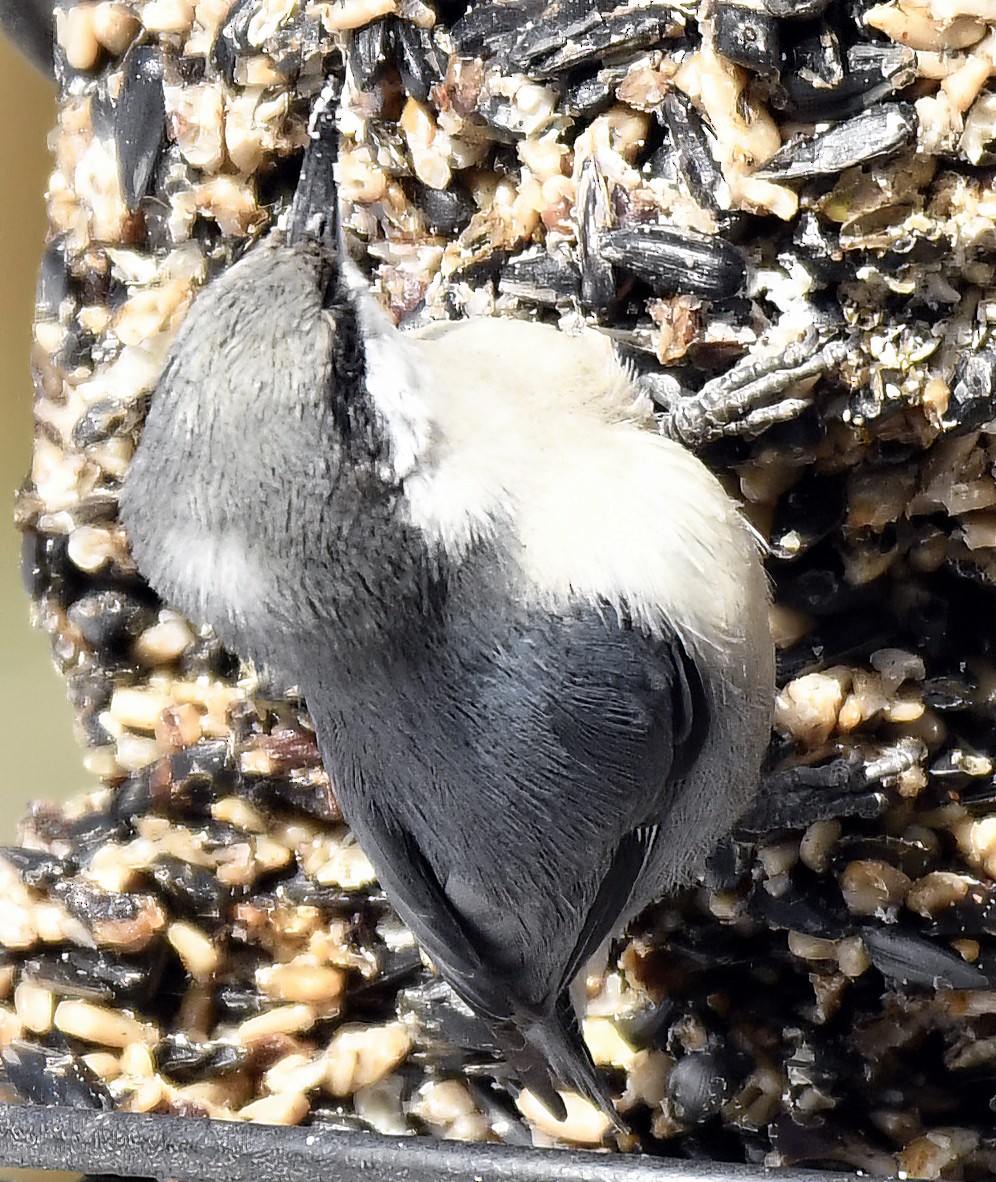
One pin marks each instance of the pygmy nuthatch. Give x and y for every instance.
(532, 633)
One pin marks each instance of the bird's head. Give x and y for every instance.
(285, 419)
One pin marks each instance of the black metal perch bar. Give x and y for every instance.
(161, 1147)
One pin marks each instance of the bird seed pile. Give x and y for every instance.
(784, 204)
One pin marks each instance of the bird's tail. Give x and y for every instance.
(546, 1049)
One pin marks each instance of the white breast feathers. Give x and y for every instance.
(533, 429)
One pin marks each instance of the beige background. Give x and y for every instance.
(40, 756)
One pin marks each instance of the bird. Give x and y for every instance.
(531, 630)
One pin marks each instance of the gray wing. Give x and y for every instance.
(631, 712)
(507, 778)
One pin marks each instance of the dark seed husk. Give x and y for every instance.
(955, 691)
(503, 1117)
(139, 121)
(192, 890)
(553, 47)
(45, 567)
(418, 59)
(747, 37)
(809, 512)
(973, 915)
(492, 27)
(913, 960)
(446, 211)
(140, 793)
(502, 117)
(872, 73)
(432, 1007)
(93, 906)
(337, 1120)
(77, 346)
(817, 60)
(233, 40)
(793, 911)
(186, 1061)
(482, 270)
(86, 833)
(587, 98)
(210, 758)
(185, 784)
(978, 798)
(873, 135)
(54, 285)
(97, 975)
(819, 248)
(370, 47)
(46, 1075)
(289, 792)
(304, 890)
(958, 770)
(107, 418)
(541, 276)
(598, 284)
(110, 619)
(673, 261)
(796, 9)
(235, 1003)
(698, 1086)
(395, 968)
(973, 392)
(37, 868)
(693, 151)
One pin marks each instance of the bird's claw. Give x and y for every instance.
(849, 786)
(748, 399)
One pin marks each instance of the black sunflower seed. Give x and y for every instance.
(873, 135)
(672, 261)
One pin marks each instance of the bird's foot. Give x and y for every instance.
(756, 393)
(849, 786)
